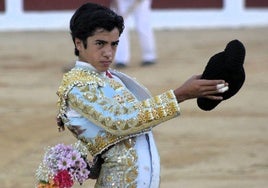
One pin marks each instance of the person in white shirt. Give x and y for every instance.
(111, 113)
(140, 10)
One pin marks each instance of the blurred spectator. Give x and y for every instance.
(141, 12)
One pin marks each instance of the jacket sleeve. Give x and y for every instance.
(123, 118)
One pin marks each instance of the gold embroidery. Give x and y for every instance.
(120, 167)
(102, 141)
(75, 77)
(116, 85)
(119, 121)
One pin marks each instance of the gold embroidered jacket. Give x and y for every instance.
(108, 110)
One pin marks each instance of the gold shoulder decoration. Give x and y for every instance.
(76, 77)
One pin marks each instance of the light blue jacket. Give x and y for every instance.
(107, 111)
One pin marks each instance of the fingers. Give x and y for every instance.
(195, 87)
(211, 89)
(217, 83)
(213, 97)
(221, 88)
(214, 85)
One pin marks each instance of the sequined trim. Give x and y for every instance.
(120, 166)
(104, 140)
(75, 77)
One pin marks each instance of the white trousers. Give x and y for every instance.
(143, 27)
(148, 162)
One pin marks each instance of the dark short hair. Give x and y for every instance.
(90, 17)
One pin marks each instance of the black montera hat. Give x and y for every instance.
(228, 66)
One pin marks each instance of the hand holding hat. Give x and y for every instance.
(228, 66)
